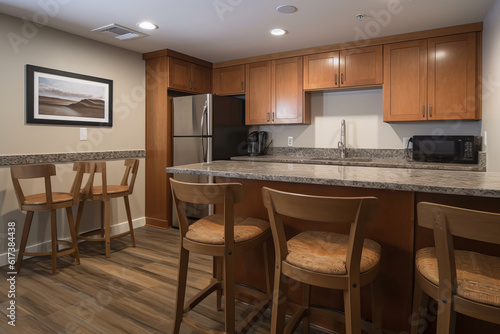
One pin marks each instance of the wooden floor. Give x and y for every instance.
(133, 291)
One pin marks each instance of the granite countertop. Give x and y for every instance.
(358, 157)
(485, 184)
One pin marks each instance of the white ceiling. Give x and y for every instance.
(219, 30)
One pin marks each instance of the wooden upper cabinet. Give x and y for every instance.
(431, 79)
(274, 93)
(321, 71)
(405, 81)
(258, 93)
(346, 68)
(288, 105)
(229, 80)
(452, 78)
(361, 66)
(189, 77)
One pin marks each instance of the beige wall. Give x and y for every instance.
(491, 86)
(46, 47)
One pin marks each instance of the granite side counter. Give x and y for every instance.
(468, 183)
(390, 158)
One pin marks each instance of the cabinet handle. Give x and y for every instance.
(336, 79)
(267, 117)
(273, 117)
(190, 84)
(430, 110)
(423, 111)
(342, 78)
(242, 88)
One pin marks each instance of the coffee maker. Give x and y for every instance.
(257, 143)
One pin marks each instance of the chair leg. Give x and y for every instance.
(181, 289)
(129, 217)
(306, 293)
(24, 239)
(53, 229)
(72, 231)
(103, 218)
(217, 274)
(79, 215)
(445, 318)
(376, 295)
(420, 300)
(107, 228)
(229, 307)
(280, 292)
(352, 309)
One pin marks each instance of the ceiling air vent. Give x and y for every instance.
(119, 32)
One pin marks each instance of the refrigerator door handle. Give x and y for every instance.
(203, 125)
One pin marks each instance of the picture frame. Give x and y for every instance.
(65, 98)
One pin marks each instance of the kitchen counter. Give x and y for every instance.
(358, 157)
(395, 228)
(485, 184)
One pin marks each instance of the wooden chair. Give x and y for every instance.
(458, 280)
(222, 236)
(48, 201)
(323, 259)
(104, 193)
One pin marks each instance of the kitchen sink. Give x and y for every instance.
(339, 160)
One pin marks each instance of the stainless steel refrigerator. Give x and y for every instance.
(206, 127)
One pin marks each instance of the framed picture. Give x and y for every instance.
(58, 97)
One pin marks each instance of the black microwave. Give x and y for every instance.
(452, 149)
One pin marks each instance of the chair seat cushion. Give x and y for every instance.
(210, 229)
(325, 252)
(478, 275)
(40, 199)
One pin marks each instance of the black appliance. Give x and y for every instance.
(447, 149)
(257, 143)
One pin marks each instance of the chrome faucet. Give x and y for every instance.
(341, 145)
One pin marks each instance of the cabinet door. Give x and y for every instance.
(452, 77)
(287, 95)
(229, 80)
(258, 95)
(405, 81)
(179, 74)
(321, 71)
(201, 79)
(361, 67)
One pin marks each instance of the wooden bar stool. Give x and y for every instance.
(222, 236)
(104, 193)
(324, 259)
(48, 201)
(459, 280)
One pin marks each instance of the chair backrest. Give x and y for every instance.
(206, 193)
(44, 171)
(99, 167)
(357, 211)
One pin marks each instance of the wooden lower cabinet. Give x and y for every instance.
(395, 229)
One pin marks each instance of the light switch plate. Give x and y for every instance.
(83, 133)
(290, 141)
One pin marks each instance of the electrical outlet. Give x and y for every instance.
(405, 143)
(290, 141)
(83, 133)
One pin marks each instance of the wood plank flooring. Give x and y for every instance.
(133, 291)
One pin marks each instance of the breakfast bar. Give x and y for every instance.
(398, 191)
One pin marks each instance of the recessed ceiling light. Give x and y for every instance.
(278, 32)
(147, 25)
(286, 9)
